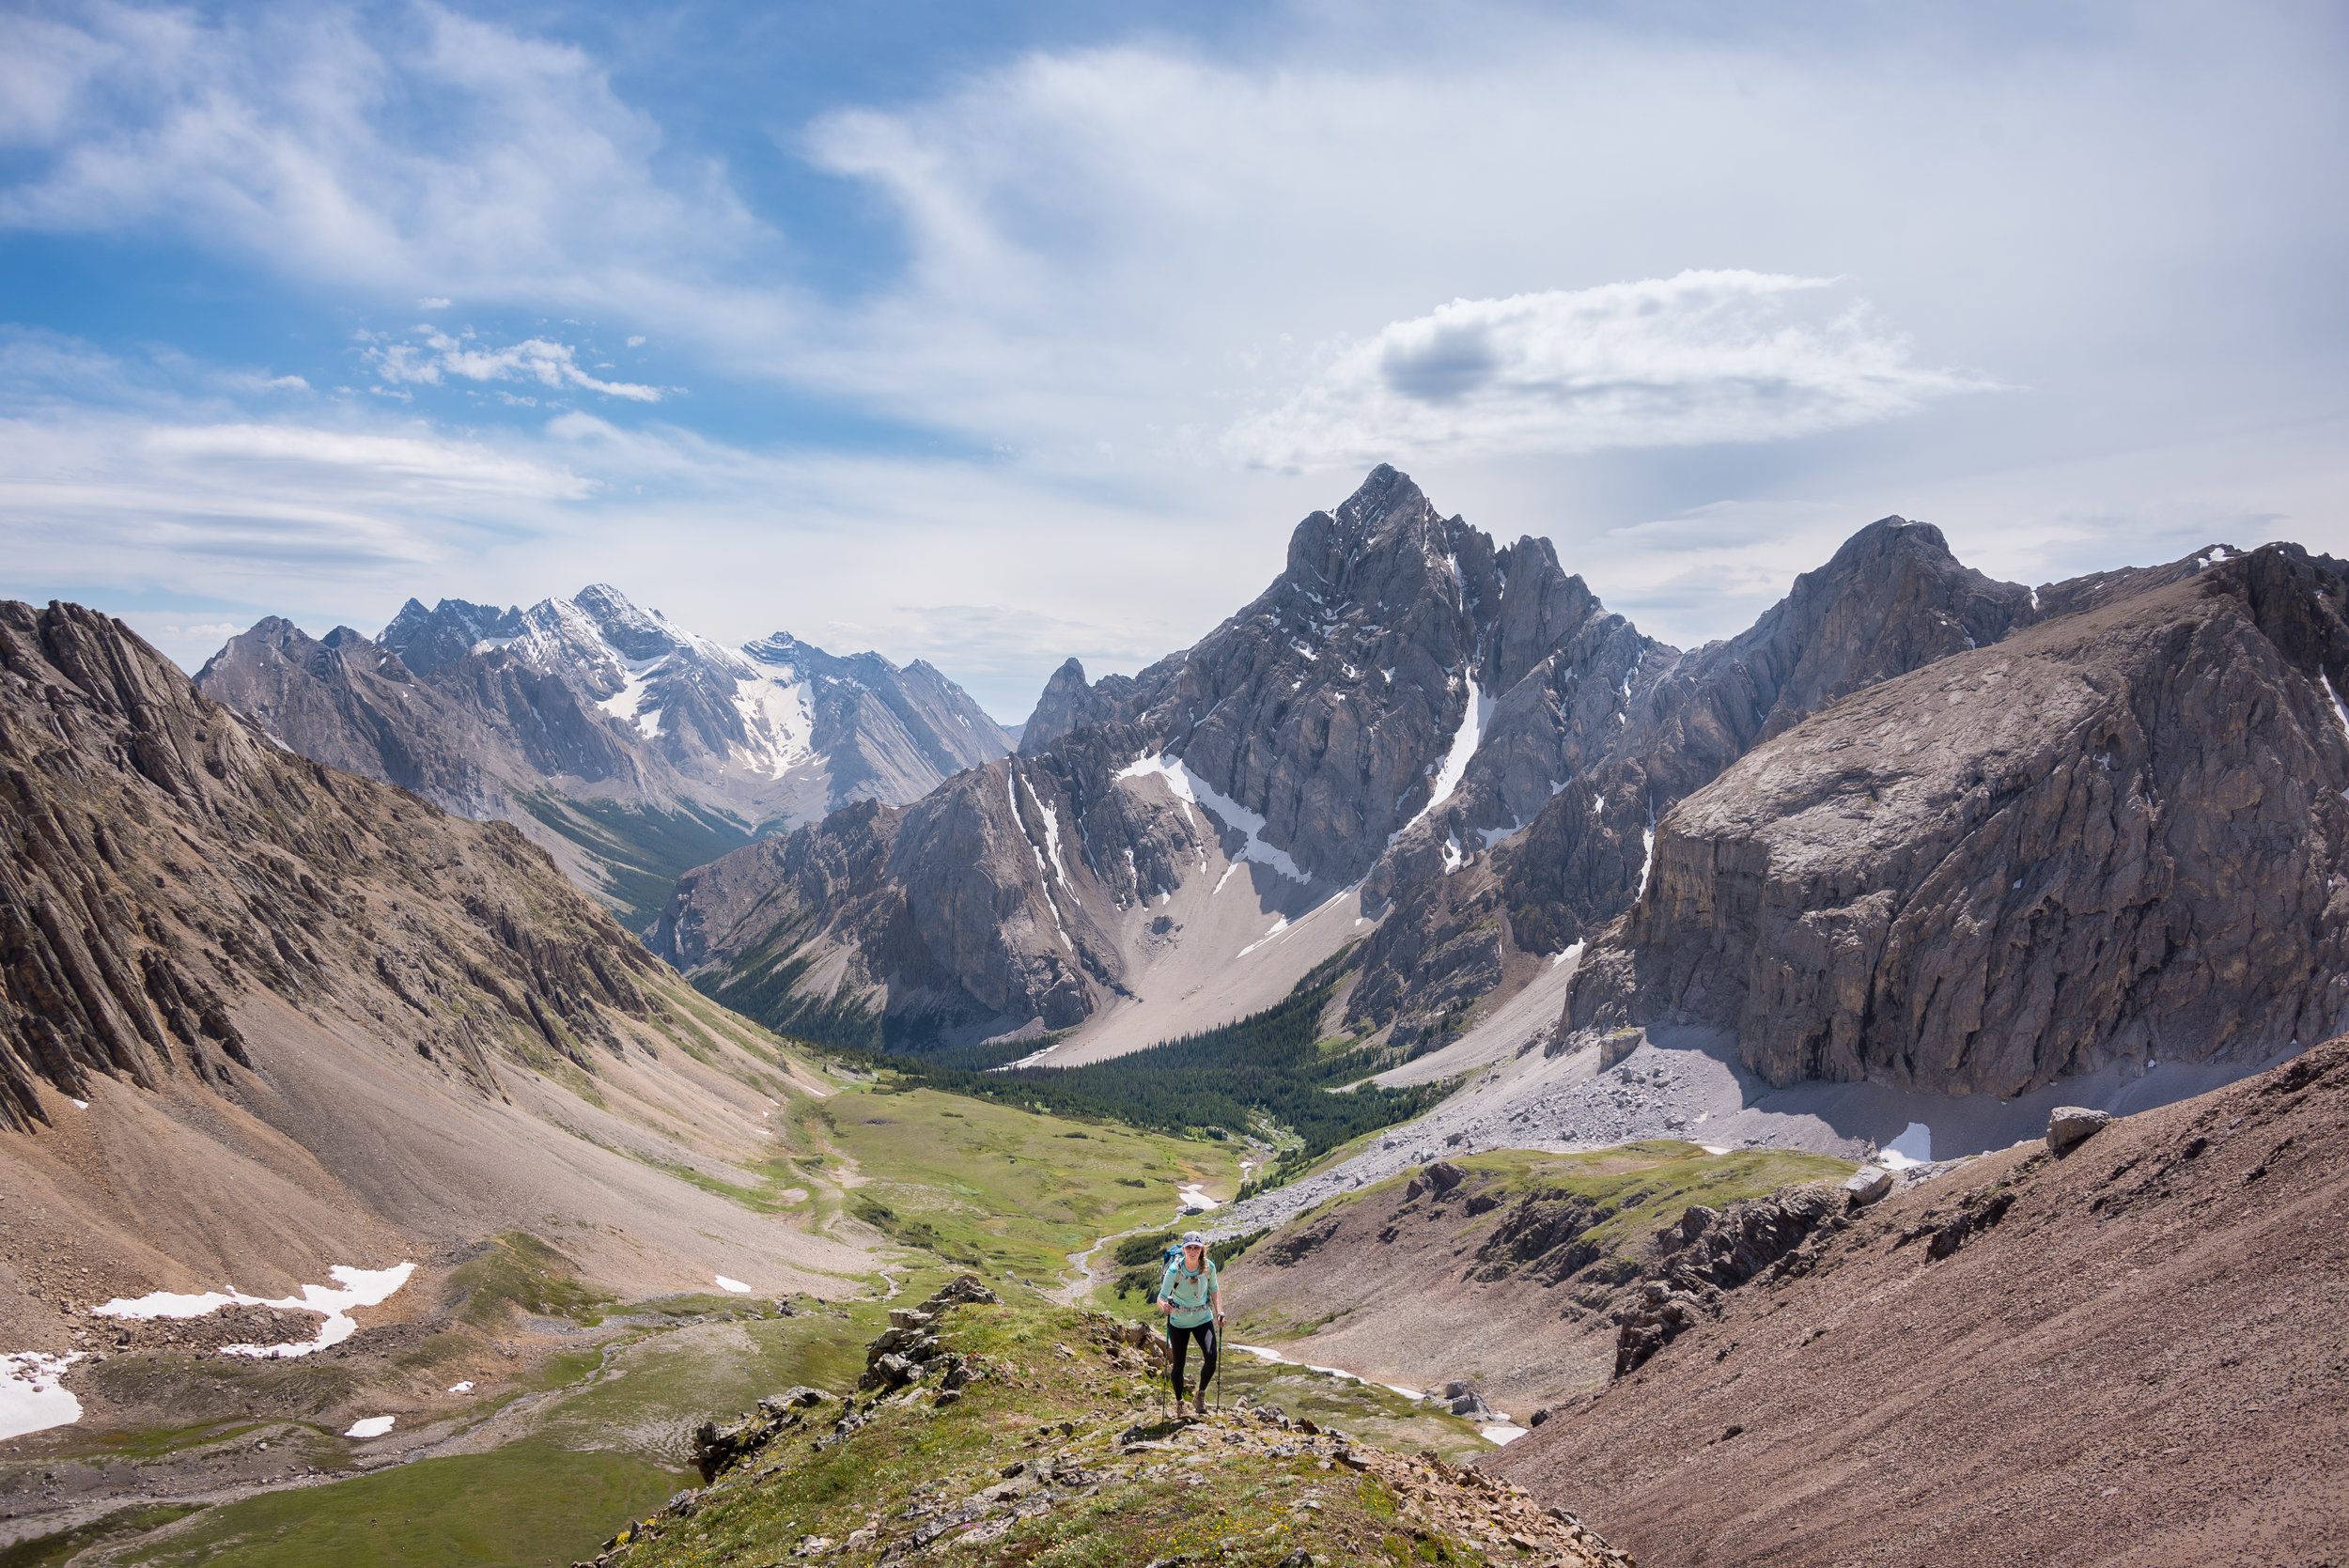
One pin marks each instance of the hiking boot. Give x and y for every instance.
(1200, 1404)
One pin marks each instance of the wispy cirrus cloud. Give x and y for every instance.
(436, 357)
(1688, 359)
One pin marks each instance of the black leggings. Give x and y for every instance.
(1180, 1339)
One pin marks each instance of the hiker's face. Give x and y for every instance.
(1191, 1255)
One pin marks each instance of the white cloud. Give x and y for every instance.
(295, 138)
(1697, 358)
(535, 358)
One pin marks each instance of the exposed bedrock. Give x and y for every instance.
(2116, 836)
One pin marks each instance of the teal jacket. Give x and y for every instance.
(1190, 1293)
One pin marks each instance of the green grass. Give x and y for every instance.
(528, 1505)
(54, 1551)
(518, 1272)
(995, 1186)
(1269, 1071)
(1228, 1504)
(1644, 1184)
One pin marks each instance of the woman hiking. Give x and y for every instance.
(1194, 1309)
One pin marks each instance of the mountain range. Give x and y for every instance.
(628, 747)
(1449, 751)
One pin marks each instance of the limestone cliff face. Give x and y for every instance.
(1628, 727)
(2117, 836)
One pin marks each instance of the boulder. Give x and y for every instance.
(1867, 1185)
(1443, 1177)
(2069, 1125)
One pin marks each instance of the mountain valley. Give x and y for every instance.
(1540, 1020)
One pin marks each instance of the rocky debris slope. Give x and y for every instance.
(1040, 1458)
(2030, 860)
(549, 717)
(2120, 1355)
(258, 1017)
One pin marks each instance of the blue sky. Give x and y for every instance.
(994, 334)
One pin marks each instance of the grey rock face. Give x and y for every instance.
(1067, 702)
(1341, 709)
(1632, 727)
(2118, 835)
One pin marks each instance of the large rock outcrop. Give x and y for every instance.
(2119, 835)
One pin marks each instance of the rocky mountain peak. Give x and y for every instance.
(427, 638)
(633, 633)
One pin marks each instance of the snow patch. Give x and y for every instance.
(1195, 1197)
(1914, 1146)
(778, 713)
(1465, 740)
(1279, 923)
(33, 1398)
(2034, 598)
(2340, 713)
(622, 705)
(1191, 789)
(361, 1287)
(465, 1387)
(371, 1426)
(733, 1287)
(1567, 954)
(1452, 859)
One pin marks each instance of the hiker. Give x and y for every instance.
(1193, 1309)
